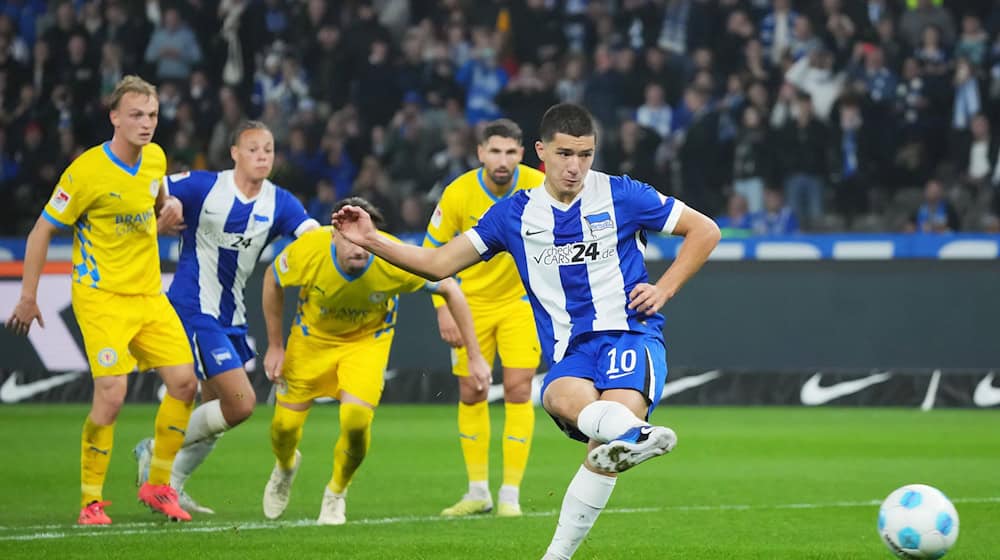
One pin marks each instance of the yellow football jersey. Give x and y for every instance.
(464, 201)
(110, 206)
(337, 306)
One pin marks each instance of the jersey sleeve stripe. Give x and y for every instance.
(673, 217)
(433, 241)
(274, 270)
(53, 220)
(305, 226)
(477, 241)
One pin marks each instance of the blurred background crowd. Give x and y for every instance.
(774, 116)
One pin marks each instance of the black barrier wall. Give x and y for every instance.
(760, 316)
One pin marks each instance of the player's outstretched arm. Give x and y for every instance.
(273, 302)
(35, 253)
(701, 235)
(459, 307)
(435, 263)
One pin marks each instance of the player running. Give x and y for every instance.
(338, 347)
(231, 216)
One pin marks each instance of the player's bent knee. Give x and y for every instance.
(183, 389)
(237, 412)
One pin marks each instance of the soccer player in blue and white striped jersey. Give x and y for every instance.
(578, 242)
(230, 217)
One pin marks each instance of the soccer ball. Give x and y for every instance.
(918, 521)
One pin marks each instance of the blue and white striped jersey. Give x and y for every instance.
(226, 233)
(579, 261)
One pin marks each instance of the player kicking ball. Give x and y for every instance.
(578, 243)
(338, 347)
(231, 216)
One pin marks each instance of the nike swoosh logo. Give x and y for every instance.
(815, 394)
(689, 382)
(518, 439)
(529, 232)
(176, 429)
(466, 436)
(12, 392)
(116, 195)
(101, 451)
(986, 395)
(617, 375)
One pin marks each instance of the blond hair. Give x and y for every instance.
(130, 84)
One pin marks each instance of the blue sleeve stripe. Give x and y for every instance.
(433, 241)
(52, 220)
(274, 271)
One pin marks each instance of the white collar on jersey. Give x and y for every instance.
(228, 178)
(588, 183)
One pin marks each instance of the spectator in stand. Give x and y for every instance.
(857, 161)
(776, 218)
(736, 221)
(925, 14)
(655, 114)
(321, 203)
(635, 152)
(976, 155)
(571, 86)
(935, 214)
(973, 42)
(802, 149)
(173, 48)
(482, 79)
(753, 159)
(815, 75)
(776, 29)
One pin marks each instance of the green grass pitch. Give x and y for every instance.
(748, 483)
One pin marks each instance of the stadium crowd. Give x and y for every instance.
(772, 115)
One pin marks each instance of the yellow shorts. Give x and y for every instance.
(319, 368)
(511, 329)
(121, 331)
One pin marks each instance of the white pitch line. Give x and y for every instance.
(70, 531)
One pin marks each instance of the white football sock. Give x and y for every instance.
(509, 494)
(206, 426)
(605, 420)
(189, 458)
(585, 498)
(206, 420)
(479, 490)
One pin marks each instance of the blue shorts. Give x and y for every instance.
(216, 348)
(614, 360)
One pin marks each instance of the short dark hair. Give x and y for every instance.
(504, 128)
(374, 212)
(244, 126)
(567, 118)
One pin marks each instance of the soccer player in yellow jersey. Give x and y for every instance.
(109, 196)
(503, 321)
(338, 347)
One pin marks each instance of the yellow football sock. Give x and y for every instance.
(518, 427)
(95, 454)
(171, 425)
(286, 432)
(474, 434)
(352, 445)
